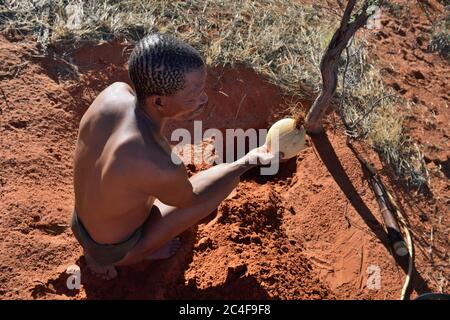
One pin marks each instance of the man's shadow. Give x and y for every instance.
(334, 166)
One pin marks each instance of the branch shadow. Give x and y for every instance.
(331, 161)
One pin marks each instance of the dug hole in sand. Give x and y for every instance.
(313, 231)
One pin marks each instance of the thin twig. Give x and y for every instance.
(4, 94)
(239, 107)
(372, 107)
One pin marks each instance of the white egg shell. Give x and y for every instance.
(291, 140)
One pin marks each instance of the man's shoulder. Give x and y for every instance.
(119, 86)
(134, 151)
(109, 104)
(118, 93)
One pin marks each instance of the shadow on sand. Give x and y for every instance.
(334, 166)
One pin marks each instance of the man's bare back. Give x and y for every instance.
(116, 145)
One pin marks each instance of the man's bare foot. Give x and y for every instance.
(166, 251)
(105, 273)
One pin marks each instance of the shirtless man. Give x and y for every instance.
(131, 199)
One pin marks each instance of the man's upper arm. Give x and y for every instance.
(170, 185)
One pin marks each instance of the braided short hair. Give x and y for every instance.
(158, 63)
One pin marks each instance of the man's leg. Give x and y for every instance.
(167, 222)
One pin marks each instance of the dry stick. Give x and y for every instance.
(390, 199)
(392, 227)
(4, 94)
(329, 66)
(387, 206)
(405, 228)
(328, 9)
(344, 77)
(378, 187)
(372, 107)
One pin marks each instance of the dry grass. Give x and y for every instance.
(376, 113)
(440, 36)
(282, 40)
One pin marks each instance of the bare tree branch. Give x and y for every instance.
(329, 65)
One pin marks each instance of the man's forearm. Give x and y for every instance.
(217, 178)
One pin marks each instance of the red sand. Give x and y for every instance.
(311, 232)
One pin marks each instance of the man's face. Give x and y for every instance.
(189, 102)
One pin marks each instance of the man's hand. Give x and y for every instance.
(262, 156)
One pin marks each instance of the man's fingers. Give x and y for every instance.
(278, 156)
(267, 157)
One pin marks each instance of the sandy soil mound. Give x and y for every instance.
(310, 232)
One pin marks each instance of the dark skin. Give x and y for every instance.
(123, 167)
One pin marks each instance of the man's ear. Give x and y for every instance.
(158, 102)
